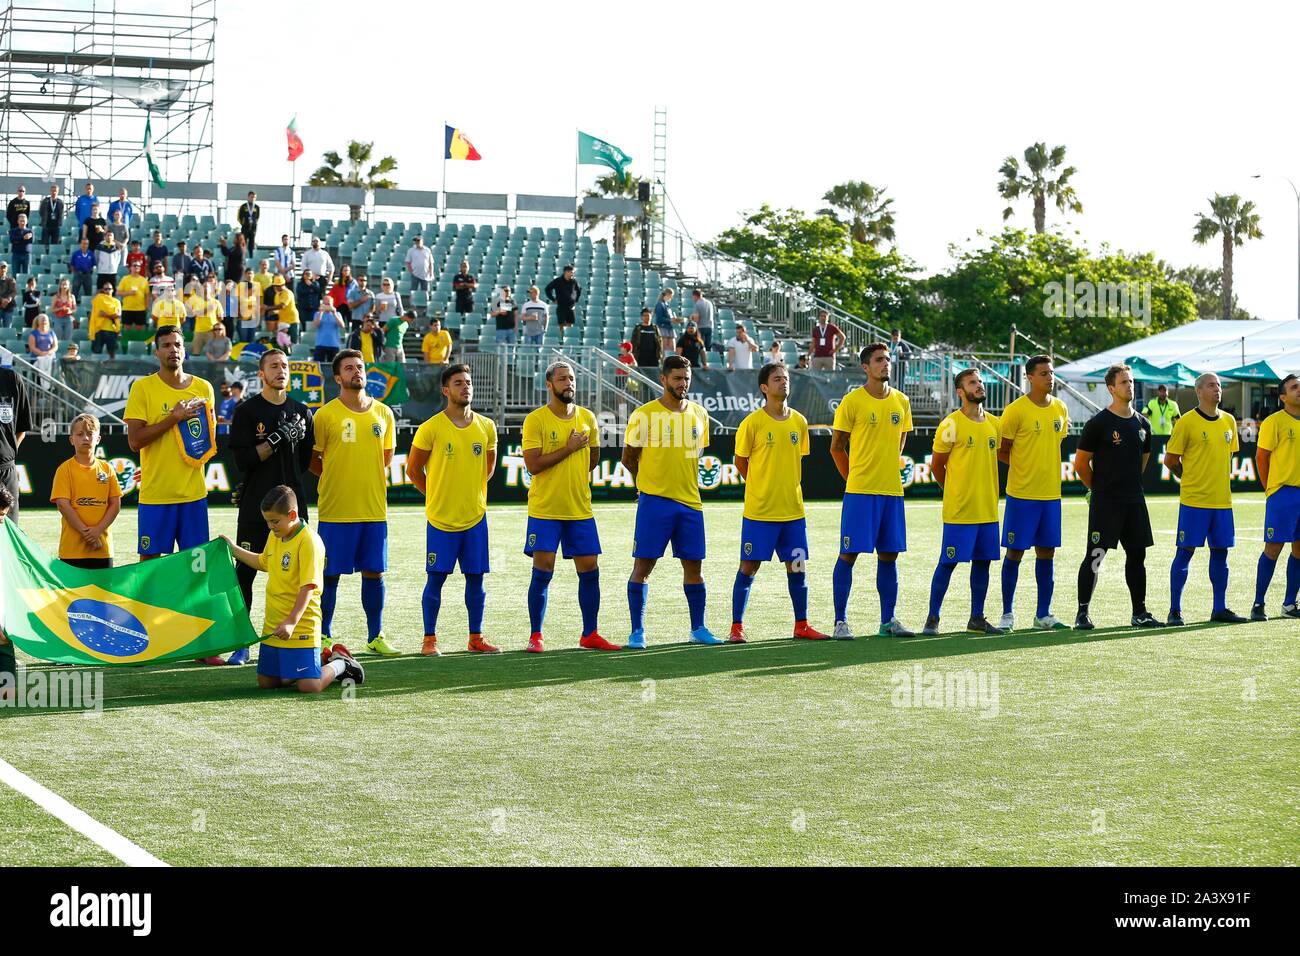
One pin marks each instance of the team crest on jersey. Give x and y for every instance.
(970, 441)
(144, 542)
(532, 540)
(873, 418)
(993, 443)
(377, 429)
(1056, 425)
(895, 418)
(284, 563)
(478, 448)
(1096, 537)
(1182, 536)
(951, 552)
(1038, 426)
(794, 438)
(695, 432)
(1268, 533)
(451, 450)
(846, 542)
(553, 436)
(433, 558)
(771, 440)
(1115, 439)
(1227, 435)
(1011, 537)
(101, 477)
(1142, 434)
(261, 428)
(749, 548)
(1205, 437)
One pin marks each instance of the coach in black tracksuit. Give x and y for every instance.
(565, 292)
(270, 437)
(15, 421)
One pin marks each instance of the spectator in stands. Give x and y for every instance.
(52, 210)
(283, 310)
(565, 292)
(330, 328)
(108, 261)
(702, 316)
(64, 306)
(31, 302)
(505, 313)
(284, 259)
(343, 287)
(647, 343)
(157, 251)
(21, 239)
(827, 340)
(134, 255)
(170, 310)
(308, 293)
(73, 354)
(105, 320)
(368, 340)
(86, 204)
(248, 295)
(899, 353)
(95, 227)
(534, 317)
(665, 318)
(182, 265)
(159, 281)
(133, 290)
(360, 302)
(18, 206)
(263, 276)
(82, 266)
(690, 346)
(774, 356)
(8, 296)
(626, 357)
(394, 332)
(204, 307)
(464, 285)
(317, 260)
(118, 229)
(217, 348)
(201, 267)
(387, 303)
(226, 403)
(436, 346)
(43, 344)
(236, 255)
(122, 205)
(419, 263)
(741, 350)
(249, 213)
(803, 360)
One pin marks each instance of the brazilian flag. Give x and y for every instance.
(386, 382)
(181, 607)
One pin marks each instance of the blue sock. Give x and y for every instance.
(1264, 576)
(1219, 577)
(589, 599)
(329, 597)
(432, 601)
(842, 580)
(636, 597)
(739, 596)
(979, 587)
(537, 594)
(475, 598)
(1010, 575)
(1178, 577)
(1292, 580)
(372, 600)
(1045, 573)
(939, 586)
(797, 583)
(887, 588)
(695, 597)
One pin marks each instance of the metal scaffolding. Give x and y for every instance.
(80, 79)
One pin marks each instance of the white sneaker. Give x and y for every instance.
(1048, 622)
(842, 632)
(1007, 622)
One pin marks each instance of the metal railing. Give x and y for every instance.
(54, 404)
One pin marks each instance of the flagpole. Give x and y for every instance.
(443, 196)
(576, 157)
(293, 210)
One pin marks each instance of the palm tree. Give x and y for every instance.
(1034, 182)
(616, 186)
(871, 221)
(332, 174)
(1235, 221)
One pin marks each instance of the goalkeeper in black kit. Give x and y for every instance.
(270, 437)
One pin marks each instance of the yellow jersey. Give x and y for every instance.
(169, 312)
(165, 477)
(206, 312)
(105, 315)
(133, 290)
(293, 564)
(367, 348)
(1036, 433)
(288, 314)
(456, 479)
(563, 491)
(970, 490)
(1206, 445)
(875, 427)
(436, 348)
(775, 449)
(353, 482)
(670, 443)
(89, 488)
(263, 280)
(1279, 435)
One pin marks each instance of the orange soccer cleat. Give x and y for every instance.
(479, 646)
(594, 642)
(534, 644)
(430, 646)
(805, 631)
(738, 634)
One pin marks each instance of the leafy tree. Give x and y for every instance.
(871, 221)
(1207, 286)
(1235, 222)
(333, 173)
(1035, 182)
(617, 186)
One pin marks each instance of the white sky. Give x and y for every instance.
(1160, 105)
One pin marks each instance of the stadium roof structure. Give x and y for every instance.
(1208, 345)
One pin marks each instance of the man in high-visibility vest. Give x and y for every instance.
(1162, 412)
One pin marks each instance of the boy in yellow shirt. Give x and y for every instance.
(105, 320)
(87, 493)
(437, 344)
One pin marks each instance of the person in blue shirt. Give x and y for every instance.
(157, 252)
(122, 205)
(664, 319)
(82, 265)
(330, 325)
(231, 396)
(182, 265)
(84, 204)
(21, 239)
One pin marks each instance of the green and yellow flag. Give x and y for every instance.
(597, 152)
(181, 607)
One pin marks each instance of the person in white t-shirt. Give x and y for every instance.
(419, 263)
(741, 350)
(318, 261)
(534, 317)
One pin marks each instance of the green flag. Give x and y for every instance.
(148, 157)
(182, 607)
(597, 152)
(386, 382)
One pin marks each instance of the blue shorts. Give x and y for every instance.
(1197, 526)
(164, 528)
(970, 542)
(288, 663)
(469, 547)
(1282, 514)
(578, 536)
(758, 539)
(354, 546)
(660, 520)
(872, 523)
(1030, 523)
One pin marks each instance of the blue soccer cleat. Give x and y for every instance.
(239, 657)
(636, 640)
(702, 635)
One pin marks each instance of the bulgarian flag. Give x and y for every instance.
(295, 141)
(148, 157)
(458, 147)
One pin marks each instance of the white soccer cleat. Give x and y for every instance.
(1007, 622)
(842, 632)
(1048, 622)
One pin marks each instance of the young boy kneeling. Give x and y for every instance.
(294, 562)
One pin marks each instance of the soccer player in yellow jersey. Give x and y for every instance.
(662, 451)
(1033, 427)
(1199, 453)
(452, 457)
(1277, 458)
(294, 562)
(870, 427)
(965, 464)
(561, 446)
(354, 436)
(771, 444)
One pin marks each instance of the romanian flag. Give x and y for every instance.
(295, 141)
(59, 613)
(458, 147)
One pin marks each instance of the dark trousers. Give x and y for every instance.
(9, 478)
(21, 262)
(50, 234)
(105, 340)
(83, 285)
(89, 564)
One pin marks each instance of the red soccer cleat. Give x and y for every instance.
(325, 655)
(805, 631)
(430, 646)
(341, 651)
(534, 644)
(479, 646)
(738, 634)
(211, 661)
(594, 642)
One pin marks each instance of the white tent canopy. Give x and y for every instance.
(1208, 345)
